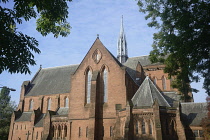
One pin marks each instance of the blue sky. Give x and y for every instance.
(87, 19)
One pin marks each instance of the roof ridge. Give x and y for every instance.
(138, 56)
(160, 93)
(60, 66)
(194, 103)
(36, 74)
(150, 90)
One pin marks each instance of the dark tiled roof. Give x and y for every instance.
(171, 97)
(25, 116)
(52, 81)
(40, 121)
(132, 62)
(63, 111)
(193, 113)
(144, 61)
(146, 95)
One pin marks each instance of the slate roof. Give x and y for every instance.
(57, 80)
(193, 113)
(52, 81)
(146, 95)
(132, 62)
(63, 111)
(25, 116)
(171, 97)
(40, 121)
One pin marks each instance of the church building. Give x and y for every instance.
(105, 98)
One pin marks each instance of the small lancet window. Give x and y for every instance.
(53, 132)
(88, 86)
(80, 131)
(66, 104)
(143, 127)
(31, 103)
(59, 131)
(111, 131)
(155, 81)
(49, 104)
(150, 127)
(105, 81)
(164, 83)
(37, 135)
(137, 127)
(86, 131)
(65, 131)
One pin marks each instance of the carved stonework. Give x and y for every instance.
(97, 56)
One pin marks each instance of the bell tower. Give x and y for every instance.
(122, 53)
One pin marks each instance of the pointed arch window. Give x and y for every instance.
(66, 104)
(88, 85)
(155, 81)
(143, 127)
(111, 131)
(49, 104)
(137, 127)
(31, 103)
(86, 131)
(37, 135)
(65, 131)
(80, 132)
(53, 131)
(105, 81)
(59, 131)
(164, 82)
(150, 127)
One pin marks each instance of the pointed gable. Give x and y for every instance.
(101, 50)
(147, 94)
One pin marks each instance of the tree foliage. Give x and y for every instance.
(16, 48)
(6, 109)
(183, 39)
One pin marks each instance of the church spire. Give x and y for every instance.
(122, 54)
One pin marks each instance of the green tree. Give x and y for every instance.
(6, 109)
(17, 48)
(183, 39)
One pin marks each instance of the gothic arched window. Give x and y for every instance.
(105, 81)
(164, 82)
(65, 131)
(137, 127)
(86, 131)
(59, 131)
(80, 132)
(88, 85)
(49, 104)
(37, 135)
(31, 103)
(143, 127)
(155, 81)
(66, 104)
(150, 127)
